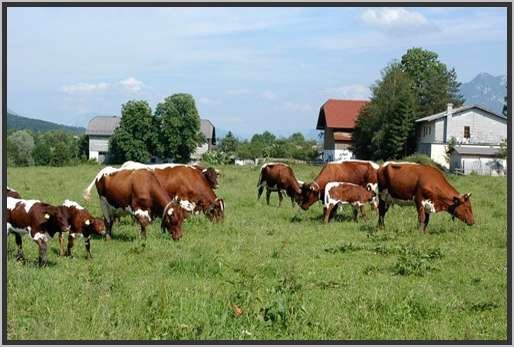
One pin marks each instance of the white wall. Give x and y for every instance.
(93, 155)
(484, 128)
(337, 154)
(99, 143)
(438, 154)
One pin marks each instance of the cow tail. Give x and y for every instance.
(260, 178)
(87, 191)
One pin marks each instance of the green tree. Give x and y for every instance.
(137, 137)
(503, 152)
(20, 145)
(83, 144)
(385, 128)
(180, 127)
(434, 84)
(228, 143)
(56, 148)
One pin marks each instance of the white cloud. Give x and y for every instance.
(238, 92)
(395, 20)
(297, 107)
(268, 95)
(81, 88)
(132, 85)
(352, 91)
(207, 101)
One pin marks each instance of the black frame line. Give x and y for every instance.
(506, 5)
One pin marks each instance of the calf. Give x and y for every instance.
(342, 193)
(37, 219)
(188, 184)
(278, 177)
(424, 186)
(359, 172)
(82, 224)
(12, 193)
(138, 193)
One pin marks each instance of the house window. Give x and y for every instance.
(466, 133)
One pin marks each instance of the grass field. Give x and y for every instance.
(266, 272)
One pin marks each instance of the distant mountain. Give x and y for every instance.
(14, 121)
(486, 90)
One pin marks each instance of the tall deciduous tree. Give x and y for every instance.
(179, 127)
(137, 136)
(435, 85)
(228, 143)
(19, 148)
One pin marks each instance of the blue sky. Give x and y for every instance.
(249, 69)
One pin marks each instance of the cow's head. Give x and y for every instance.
(372, 189)
(309, 195)
(172, 219)
(461, 208)
(216, 211)
(95, 226)
(211, 175)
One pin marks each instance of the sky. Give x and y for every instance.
(249, 69)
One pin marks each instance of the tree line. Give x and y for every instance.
(265, 145)
(416, 86)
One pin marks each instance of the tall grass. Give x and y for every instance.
(266, 272)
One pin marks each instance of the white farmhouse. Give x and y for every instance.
(478, 133)
(101, 128)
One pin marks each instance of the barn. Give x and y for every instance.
(477, 131)
(337, 119)
(100, 129)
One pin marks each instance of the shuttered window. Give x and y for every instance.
(466, 133)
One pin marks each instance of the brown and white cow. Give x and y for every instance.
(424, 186)
(37, 219)
(186, 183)
(359, 172)
(138, 193)
(12, 193)
(280, 178)
(344, 193)
(82, 224)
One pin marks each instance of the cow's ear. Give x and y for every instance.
(467, 196)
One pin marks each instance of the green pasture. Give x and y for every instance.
(265, 272)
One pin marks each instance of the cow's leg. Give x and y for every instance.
(268, 194)
(259, 192)
(327, 210)
(382, 210)
(61, 244)
(292, 201)
(87, 243)
(43, 252)
(355, 209)
(427, 219)
(108, 218)
(69, 247)
(280, 197)
(19, 243)
(363, 212)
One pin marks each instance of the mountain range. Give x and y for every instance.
(17, 122)
(486, 90)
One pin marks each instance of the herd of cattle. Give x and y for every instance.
(171, 192)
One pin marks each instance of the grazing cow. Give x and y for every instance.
(13, 193)
(138, 193)
(423, 185)
(278, 177)
(82, 224)
(210, 174)
(359, 172)
(37, 219)
(186, 183)
(343, 193)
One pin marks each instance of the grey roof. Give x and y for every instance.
(476, 150)
(207, 129)
(459, 110)
(102, 125)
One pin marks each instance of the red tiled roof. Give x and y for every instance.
(339, 113)
(342, 137)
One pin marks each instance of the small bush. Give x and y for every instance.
(423, 159)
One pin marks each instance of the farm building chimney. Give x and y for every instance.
(449, 110)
